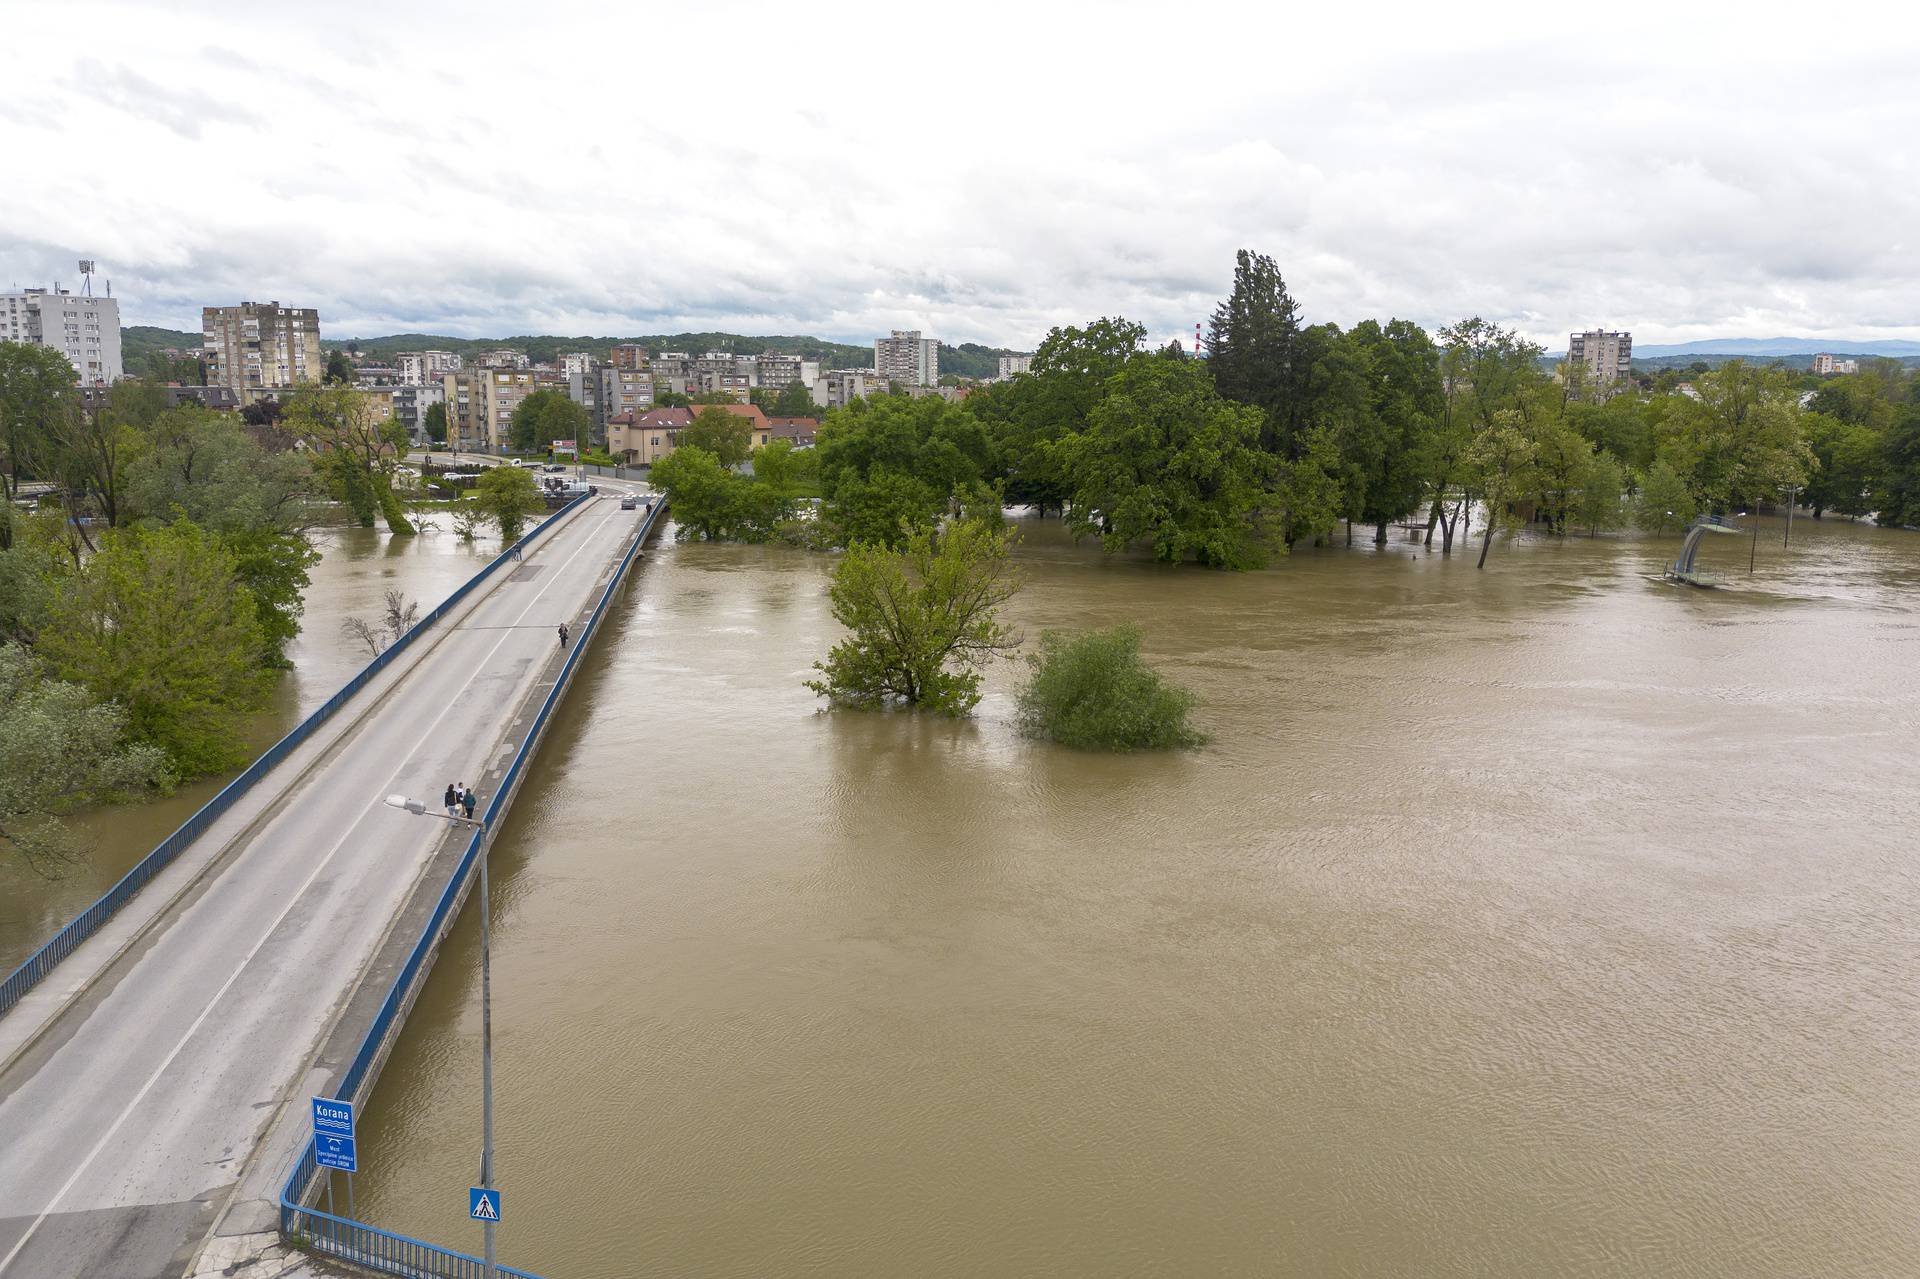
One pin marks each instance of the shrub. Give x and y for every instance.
(1091, 691)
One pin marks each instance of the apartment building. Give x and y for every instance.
(671, 364)
(837, 388)
(779, 371)
(908, 358)
(257, 345)
(1607, 355)
(1012, 366)
(425, 368)
(84, 328)
(1826, 365)
(629, 356)
(505, 359)
(410, 405)
(628, 390)
(480, 404)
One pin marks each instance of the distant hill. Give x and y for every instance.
(1763, 347)
(142, 340)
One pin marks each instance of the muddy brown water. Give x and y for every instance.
(1546, 920)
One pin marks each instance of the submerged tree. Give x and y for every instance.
(60, 748)
(508, 496)
(923, 619)
(1092, 691)
(161, 622)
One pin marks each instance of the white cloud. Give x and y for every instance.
(980, 171)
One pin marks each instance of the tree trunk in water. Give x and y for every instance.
(1433, 518)
(1349, 531)
(1486, 540)
(1380, 533)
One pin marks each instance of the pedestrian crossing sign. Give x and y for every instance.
(483, 1203)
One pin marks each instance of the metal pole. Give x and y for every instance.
(330, 1192)
(486, 1050)
(350, 1196)
(1755, 548)
(1791, 490)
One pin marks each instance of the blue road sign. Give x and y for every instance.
(483, 1203)
(332, 1118)
(336, 1152)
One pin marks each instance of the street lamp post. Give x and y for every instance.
(419, 809)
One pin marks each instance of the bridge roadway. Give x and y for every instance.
(129, 1118)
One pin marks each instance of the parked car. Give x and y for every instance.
(554, 468)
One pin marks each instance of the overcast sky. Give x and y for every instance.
(978, 171)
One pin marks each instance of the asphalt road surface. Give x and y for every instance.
(124, 1129)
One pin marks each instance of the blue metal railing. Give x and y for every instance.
(331, 1236)
(87, 922)
(371, 1247)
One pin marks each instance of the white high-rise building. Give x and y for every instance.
(908, 358)
(84, 328)
(1608, 356)
(1013, 365)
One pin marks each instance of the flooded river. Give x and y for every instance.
(357, 567)
(1543, 920)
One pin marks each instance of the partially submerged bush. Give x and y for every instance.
(1091, 691)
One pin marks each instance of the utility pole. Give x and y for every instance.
(486, 1043)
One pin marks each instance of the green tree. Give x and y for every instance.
(726, 436)
(1027, 419)
(776, 465)
(923, 620)
(59, 748)
(544, 416)
(881, 507)
(160, 622)
(1741, 441)
(1252, 341)
(1847, 461)
(36, 389)
(894, 462)
(1164, 460)
(362, 445)
(508, 496)
(434, 423)
(339, 369)
(205, 467)
(794, 400)
(1665, 501)
(1897, 499)
(1092, 691)
(1501, 464)
(1600, 489)
(1391, 436)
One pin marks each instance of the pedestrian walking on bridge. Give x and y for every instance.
(563, 635)
(452, 801)
(466, 802)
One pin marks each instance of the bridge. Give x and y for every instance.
(154, 1081)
